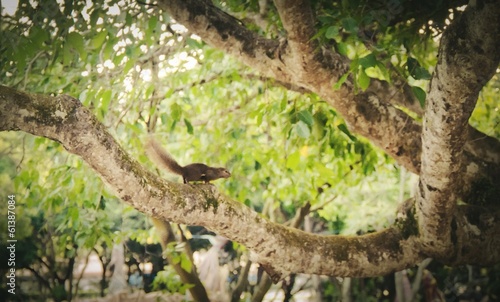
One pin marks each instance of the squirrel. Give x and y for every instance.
(192, 172)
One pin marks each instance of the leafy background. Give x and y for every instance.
(143, 74)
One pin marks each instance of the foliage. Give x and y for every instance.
(140, 73)
(485, 116)
(169, 281)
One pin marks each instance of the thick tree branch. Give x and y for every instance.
(281, 249)
(468, 58)
(300, 48)
(224, 31)
(298, 33)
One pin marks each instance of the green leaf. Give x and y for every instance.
(342, 48)
(417, 71)
(340, 81)
(193, 43)
(350, 24)
(129, 51)
(105, 99)
(306, 117)
(169, 93)
(152, 22)
(128, 19)
(293, 160)
(108, 50)
(94, 17)
(38, 36)
(363, 80)
(422, 74)
(66, 54)
(130, 63)
(368, 61)
(284, 102)
(149, 91)
(420, 94)
(102, 203)
(412, 64)
(257, 165)
(173, 125)
(302, 129)
(318, 129)
(384, 71)
(164, 119)
(325, 172)
(319, 33)
(186, 264)
(332, 32)
(20, 58)
(117, 60)
(99, 39)
(185, 287)
(343, 128)
(68, 182)
(260, 117)
(75, 40)
(176, 258)
(175, 111)
(73, 213)
(188, 126)
(326, 19)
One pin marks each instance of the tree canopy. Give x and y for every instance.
(378, 118)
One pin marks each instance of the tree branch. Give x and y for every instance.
(281, 249)
(167, 235)
(468, 58)
(224, 31)
(300, 48)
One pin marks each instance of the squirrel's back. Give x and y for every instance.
(192, 172)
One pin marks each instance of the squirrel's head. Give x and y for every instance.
(224, 173)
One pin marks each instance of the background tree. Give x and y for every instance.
(287, 126)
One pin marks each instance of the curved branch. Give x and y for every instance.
(468, 58)
(224, 31)
(282, 250)
(301, 50)
(299, 33)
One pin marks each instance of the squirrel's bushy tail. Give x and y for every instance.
(161, 157)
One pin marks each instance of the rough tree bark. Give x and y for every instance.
(468, 57)
(445, 151)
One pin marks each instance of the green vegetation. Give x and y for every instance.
(141, 73)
